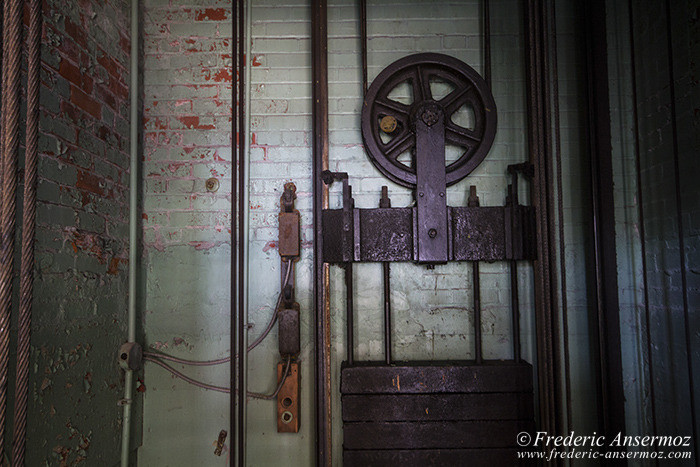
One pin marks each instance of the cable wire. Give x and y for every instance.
(151, 355)
(211, 387)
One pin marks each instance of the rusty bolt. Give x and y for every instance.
(212, 185)
(429, 117)
(432, 233)
(388, 124)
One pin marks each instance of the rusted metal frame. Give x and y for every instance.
(350, 307)
(474, 200)
(679, 227)
(237, 378)
(12, 56)
(487, 40)
(540, 152)
(322, 396)
(552, 32)
(551, 216)
(363, 43)
(28, 233)
(640, 222)
(603, 216)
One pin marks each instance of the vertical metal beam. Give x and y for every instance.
(319, 58)
(487, 41)
(237, 378)
(552, 32)
(350, 309)
(363, 42)
(539, 148)
(679, 227)
(603, 217)
(640, 223)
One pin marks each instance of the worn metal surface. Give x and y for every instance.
(431, 188)
(289, 343)
(288, 399)
(469, 89)
(436, 377)
(388, 234)
(437, 407)
(422, 411)
(321, 285)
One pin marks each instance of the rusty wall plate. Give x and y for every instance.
(288, 399)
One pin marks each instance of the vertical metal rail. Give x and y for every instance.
(363, 42)
(560, 213)
(241, 236)
(387, 312)
(237, 376)
(26, 297)
(640, 210)
(385, 202)
(12, 43)
(551, 217)
(477, 313)
(350, 307)
(540, 154)
(603, 216)
(679, 226)
(319, 58)
(474, 200)
(234, 215)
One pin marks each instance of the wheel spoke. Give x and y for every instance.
(456, 99)
(461, 136)
(421, 86)
(398, 145)
(392, 107)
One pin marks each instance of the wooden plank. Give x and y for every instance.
(435, 378)
(427, 407)
(433, 457)
(433, 435)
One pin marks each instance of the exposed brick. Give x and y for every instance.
(85, 102)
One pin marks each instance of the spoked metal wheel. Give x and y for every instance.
(393, 99)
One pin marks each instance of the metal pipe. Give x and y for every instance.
(322, 394)
(350, 324)
(387, 313)
(240, 244)
(537, 148)
(640, 210)
(515, 309)
(603, 217)
(560, 213)
(477, 312)
(12, 55)
(28, 232)
(233, 331)
(363, 40)
(487, 41)
(679, 226)
(133, 223)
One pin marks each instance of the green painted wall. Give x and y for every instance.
(185, 229)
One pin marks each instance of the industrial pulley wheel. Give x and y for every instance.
(403, 90)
